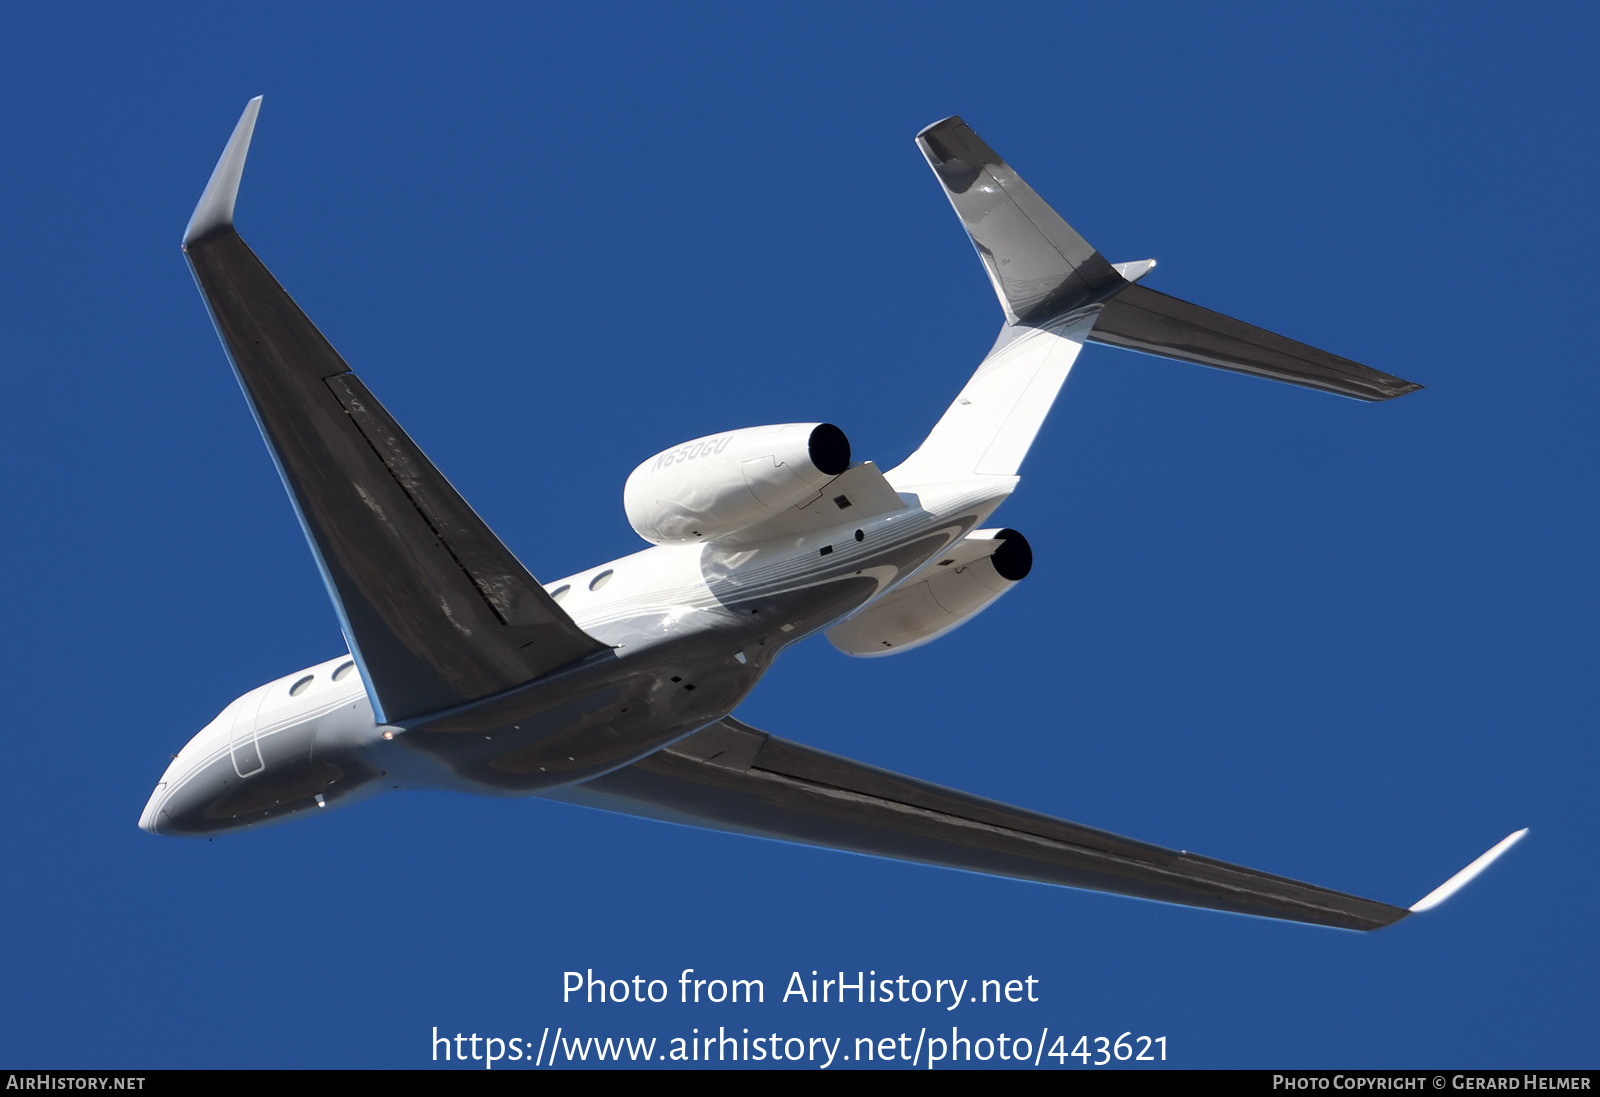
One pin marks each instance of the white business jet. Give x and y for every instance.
(613, 688)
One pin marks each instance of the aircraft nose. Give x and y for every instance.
(149, 819)
(193, 775)
(177, 808)
(174, 802)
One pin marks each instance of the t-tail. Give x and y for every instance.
(1058, 292)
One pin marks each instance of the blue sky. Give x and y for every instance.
(1351, 644)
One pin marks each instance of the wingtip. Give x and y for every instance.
(1466, 875)
(954, 119)
(215, 208)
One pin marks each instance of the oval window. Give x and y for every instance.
(344, 671)
(601, 580)
(301, 686)
(561, 591)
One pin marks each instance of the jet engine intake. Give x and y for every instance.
(975, 571)
(723, 483)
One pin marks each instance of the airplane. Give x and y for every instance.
(614, 688)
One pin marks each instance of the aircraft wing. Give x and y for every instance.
(732, 777)
(436, 610)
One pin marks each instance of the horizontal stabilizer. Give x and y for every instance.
(1144, 320)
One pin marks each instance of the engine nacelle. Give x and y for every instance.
(723, 483)
(975, 571)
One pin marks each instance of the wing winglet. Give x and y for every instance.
(1466, 875)
(215, 208)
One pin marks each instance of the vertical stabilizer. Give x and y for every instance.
(1050, 282)
(994, 419)
(1038, 264)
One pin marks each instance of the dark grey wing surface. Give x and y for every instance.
(1142, 319)
(733, 777)
(437, 611)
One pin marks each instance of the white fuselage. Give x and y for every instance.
(691, 628)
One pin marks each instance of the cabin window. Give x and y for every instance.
(561, 591)
(344, 671)
(601, 580)
(301, 686)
